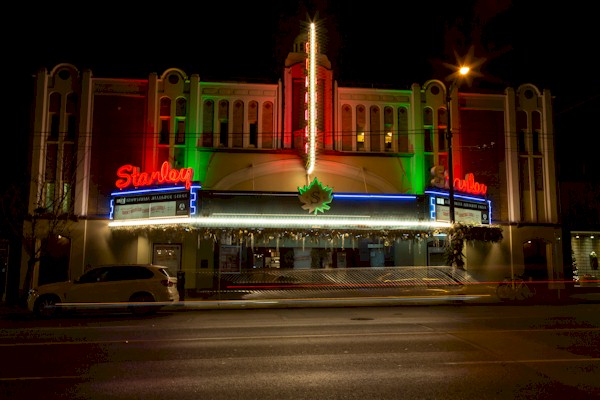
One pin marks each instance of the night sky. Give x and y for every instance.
(373, 43)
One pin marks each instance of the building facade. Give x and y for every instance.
(220, 177)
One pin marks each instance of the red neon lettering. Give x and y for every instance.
(131, 176)
(468, 185)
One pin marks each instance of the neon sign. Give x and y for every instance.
(315, 197)
(468, 185)
(311, 98)
(439, 178)
(131, 176)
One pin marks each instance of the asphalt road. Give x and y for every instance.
(392, 352)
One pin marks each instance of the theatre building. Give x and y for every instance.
(222, 178)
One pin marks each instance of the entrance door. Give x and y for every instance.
(54, 262)
(534, 258)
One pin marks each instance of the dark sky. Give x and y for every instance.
(375, 43)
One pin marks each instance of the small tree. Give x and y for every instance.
(52, 216)
(459, 233)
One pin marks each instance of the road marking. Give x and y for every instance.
(33, 378)
(266, 337)
(547, 360)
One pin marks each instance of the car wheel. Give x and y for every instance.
(142, 309)
(45, 306)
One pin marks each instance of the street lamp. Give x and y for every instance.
(463, 71)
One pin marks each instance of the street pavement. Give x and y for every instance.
(288, 299)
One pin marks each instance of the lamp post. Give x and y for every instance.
(461, 72)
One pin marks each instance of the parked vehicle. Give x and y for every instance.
(130, 286)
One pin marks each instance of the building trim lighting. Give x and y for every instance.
(235, 220)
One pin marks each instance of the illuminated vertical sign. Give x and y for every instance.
(311, 99)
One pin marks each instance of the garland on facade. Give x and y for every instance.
(459, 233)
(265, 236)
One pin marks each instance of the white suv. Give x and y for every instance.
(109, 286)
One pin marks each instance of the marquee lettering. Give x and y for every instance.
(131, 176)
(468, 185)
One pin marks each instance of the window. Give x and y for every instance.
(535, 142)
(54, 115)
(224, 123)
(208, 124)
(442, 129)
(403, 130)
(360, 140)
(54, 127)
(50, 175)
(128, 273)
(71, 128)
(428, 129)
(388, 126)
(428, 142)
(538, 174)
(238, 123)
(427, 116)
(376, 131)
(180, 114)
(522, 130)
(360, 128)
(346, 133)
(94, 275)
(181, 107)
(61, 158)
(524, 185)
(521, 143)
(536, 128)
(180, 134)
(253, 123)
(268, 141)
(69, 168)
(165, 107)
(165, 120)
(71, 117)
(164, 132)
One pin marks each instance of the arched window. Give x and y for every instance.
(536, 119)
(208, 123)
(403, 142)
(238, 123)
(375, 134)
(346, 133)
(441, 130)
(360, 127)
(165, 120)
(522, 132)
(180, 120)
(428, 129)
(54, 116)
(224, 123)
(268, 129)
(388, 127)
(253, 124)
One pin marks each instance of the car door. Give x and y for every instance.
(89, 288)
(127, 280)
(118, 288)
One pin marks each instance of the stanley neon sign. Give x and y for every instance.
(131, 176)
(468, 185)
